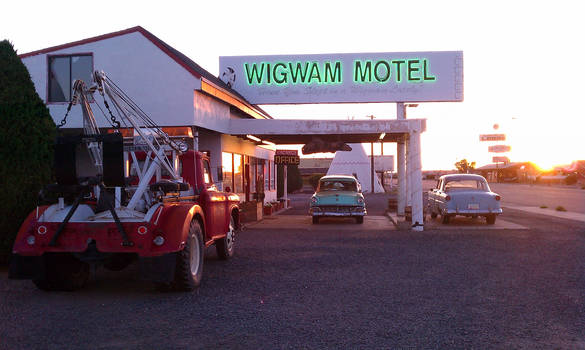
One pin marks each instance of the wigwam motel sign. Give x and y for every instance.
(343, 78)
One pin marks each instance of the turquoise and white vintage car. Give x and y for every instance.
(338, 196)
(466, 195)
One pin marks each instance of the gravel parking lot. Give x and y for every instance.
(352, 289)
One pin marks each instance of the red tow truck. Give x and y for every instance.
(95, 214)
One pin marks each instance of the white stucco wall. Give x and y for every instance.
(161, 87)
(209, 113)
(156, 83)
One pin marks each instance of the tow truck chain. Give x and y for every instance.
(115, 123)
(64, 120)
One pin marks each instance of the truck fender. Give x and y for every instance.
(173, 224)
(234, 210)
(26, 229)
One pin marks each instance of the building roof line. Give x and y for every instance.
(196, 70)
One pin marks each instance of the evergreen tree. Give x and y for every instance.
(27, 134)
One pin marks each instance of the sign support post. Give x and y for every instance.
(285, 167)
(401, 163)
(286, 157)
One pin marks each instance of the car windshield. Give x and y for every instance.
(337, 185)
(458, 185)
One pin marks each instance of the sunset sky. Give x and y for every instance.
(523, 60)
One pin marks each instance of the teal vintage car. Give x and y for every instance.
(338, 196)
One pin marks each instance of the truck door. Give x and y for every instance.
(215, 205)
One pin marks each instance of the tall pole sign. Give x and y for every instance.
(286, 157)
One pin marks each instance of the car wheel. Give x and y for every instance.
(189, 268)
(225, 246)
(359, 219)
(63, 272)
(446, 218)
(491, 219)
(315, 219)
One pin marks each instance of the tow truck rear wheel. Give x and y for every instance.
(63, 272)
(189, 268)
(225, 246)
(359, 219)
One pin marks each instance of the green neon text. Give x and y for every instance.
(382, 71)
(410, 70)
(296, 73)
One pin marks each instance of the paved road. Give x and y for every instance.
(291, 288)
(572, 198)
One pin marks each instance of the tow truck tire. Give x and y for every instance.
(315, 219)
(63, 272)
(189, 268)
(359, 219)
(225, 246)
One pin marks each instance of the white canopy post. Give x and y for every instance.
(415, 172)
(401, 164)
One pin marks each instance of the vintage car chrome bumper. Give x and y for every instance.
(473, 211)
(338, 211)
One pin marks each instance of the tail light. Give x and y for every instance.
(448, 198)
(498, 198)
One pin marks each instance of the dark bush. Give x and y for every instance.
(314, 180)
(27, 132)
(294, 183)
(571, 179)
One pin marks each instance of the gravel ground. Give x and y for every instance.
(290, 289)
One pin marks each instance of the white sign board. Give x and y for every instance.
(492, 137)
(338, 78)
(500, 159)
(499, 148)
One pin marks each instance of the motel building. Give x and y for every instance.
(184, 99)
(221, 116)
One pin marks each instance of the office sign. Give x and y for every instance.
(499, 148)
(287, 157)
(339, 78)
(492, 137)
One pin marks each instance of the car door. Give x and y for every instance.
(433, 197)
